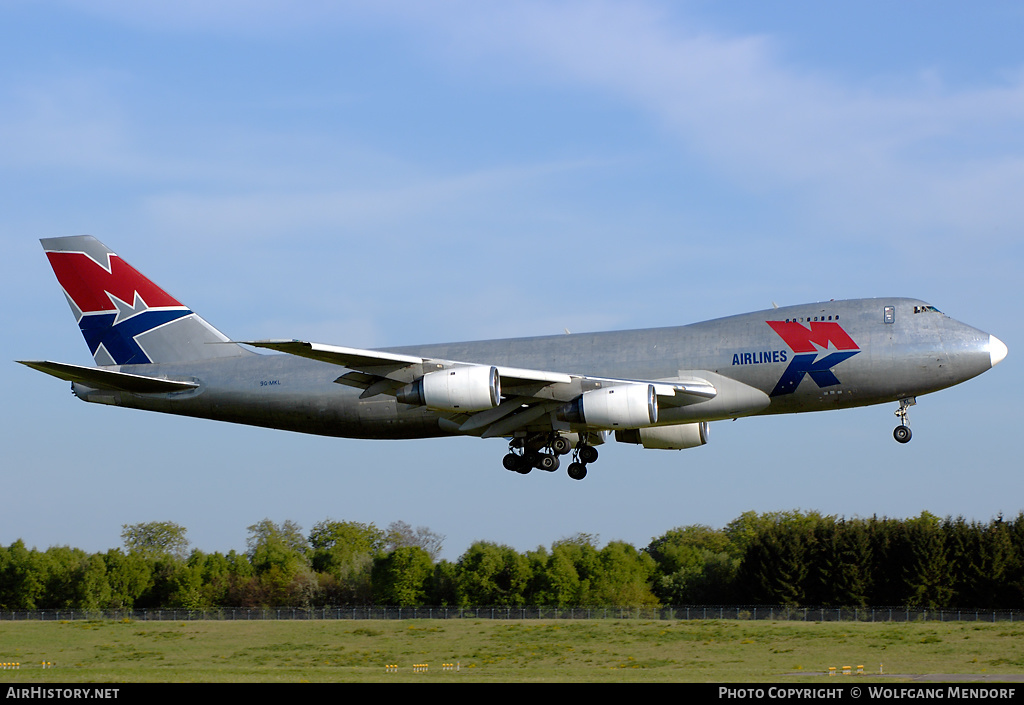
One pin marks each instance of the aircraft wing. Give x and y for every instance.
(489, 400)
(404, 365)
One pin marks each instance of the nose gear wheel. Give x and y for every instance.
(902, 432)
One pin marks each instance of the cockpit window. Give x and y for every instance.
(926, 309)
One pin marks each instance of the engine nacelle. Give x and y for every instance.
(678, 437)
(621, 406)
(462, 389)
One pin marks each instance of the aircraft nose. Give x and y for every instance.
(996, 350)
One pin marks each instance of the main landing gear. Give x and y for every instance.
(902, 432)
(581, 456)
(542, 451)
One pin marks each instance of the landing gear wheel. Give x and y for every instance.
(517, 463)
(561, 445)
(577, 471)
(548, 463)
(902, 434)
(588, 454)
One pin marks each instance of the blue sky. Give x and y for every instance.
(404, 172)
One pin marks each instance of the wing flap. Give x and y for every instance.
(486, 418)
(516, 375)
(522, 417)
(353, 358)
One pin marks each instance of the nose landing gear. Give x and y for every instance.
(902, 432)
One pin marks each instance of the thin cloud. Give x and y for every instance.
(908, 157)
(281, 209)
(901, 151)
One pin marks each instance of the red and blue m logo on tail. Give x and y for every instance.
(818, 349)
(126, 318)
(114, 304)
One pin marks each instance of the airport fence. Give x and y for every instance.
(684, 612)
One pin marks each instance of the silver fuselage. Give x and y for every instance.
(904, 348)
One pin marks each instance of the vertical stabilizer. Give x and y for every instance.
(127, 319)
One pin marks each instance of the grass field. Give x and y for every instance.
(502, 651)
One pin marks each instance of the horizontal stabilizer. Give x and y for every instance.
(98, 378)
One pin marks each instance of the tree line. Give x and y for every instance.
(777, 558)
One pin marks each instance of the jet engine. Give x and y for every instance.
(621, 406)
(678, 437)
(461, 389)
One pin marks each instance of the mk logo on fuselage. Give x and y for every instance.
(818, 349)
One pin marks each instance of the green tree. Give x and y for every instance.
(154, 539)
(445, 586)
(775, 565)
(129, 576)
(927, 573)
(402, 577)
(282, 545)
(94, 590)
(59, 568)
(278, 554)
(997, 565)
(337, 544)
(624, 577)
(243, 586)
(889, 553)
(694, 564)
(22, 577)
(164, 582)
(345, 550)
(574, 587)
(554, 580)
(964, 553)
(186, 587)
(215, 578)
(492, 574)
(400, 533)
(839, 558)
(1015, 571)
